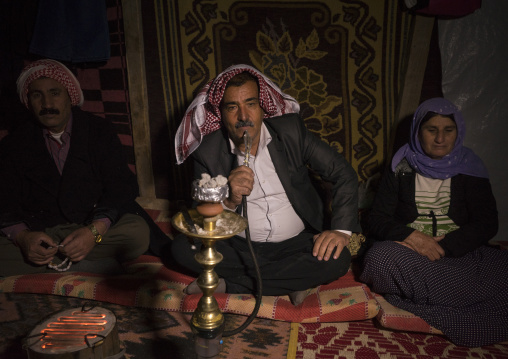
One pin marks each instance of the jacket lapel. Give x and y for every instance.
(226, 161)
(40, 167)
(276, 150)
(78, 158)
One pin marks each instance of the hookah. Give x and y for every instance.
(214, 224)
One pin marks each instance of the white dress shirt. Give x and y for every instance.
(271, 215)
(272, 218)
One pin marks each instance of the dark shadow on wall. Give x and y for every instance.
(17, 18)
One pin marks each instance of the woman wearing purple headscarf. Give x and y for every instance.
(431, 222)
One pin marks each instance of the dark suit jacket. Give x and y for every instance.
(95, 182)
(292, 149)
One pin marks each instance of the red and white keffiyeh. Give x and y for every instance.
(203, 115)
(54, 70)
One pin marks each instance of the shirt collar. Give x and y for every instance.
(264, 140)
(68, 129)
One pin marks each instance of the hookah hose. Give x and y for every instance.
(259, 293)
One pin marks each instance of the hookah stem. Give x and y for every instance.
(248, 144)
(258, 278)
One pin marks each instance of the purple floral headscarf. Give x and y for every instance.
(460, 160)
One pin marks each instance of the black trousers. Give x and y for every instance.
(285, 267)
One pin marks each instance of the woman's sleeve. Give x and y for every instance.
(473, 199)
(383, 223)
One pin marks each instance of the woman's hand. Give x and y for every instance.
(425, 245)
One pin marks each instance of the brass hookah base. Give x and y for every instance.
(207, 322)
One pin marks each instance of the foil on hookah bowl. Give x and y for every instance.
(211, 194)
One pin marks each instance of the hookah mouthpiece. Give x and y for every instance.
(247, 141)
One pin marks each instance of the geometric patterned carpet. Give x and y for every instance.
(149, 333)
(153, 334)
(363, 339)
(144, 333)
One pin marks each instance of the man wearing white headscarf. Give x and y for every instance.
(66, 192)
(294, 251)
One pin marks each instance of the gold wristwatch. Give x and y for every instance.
(96, 234)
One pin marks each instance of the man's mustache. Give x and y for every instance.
(49, 111)
(244, 124)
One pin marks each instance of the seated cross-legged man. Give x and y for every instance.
(285, 212)
(67, 196)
